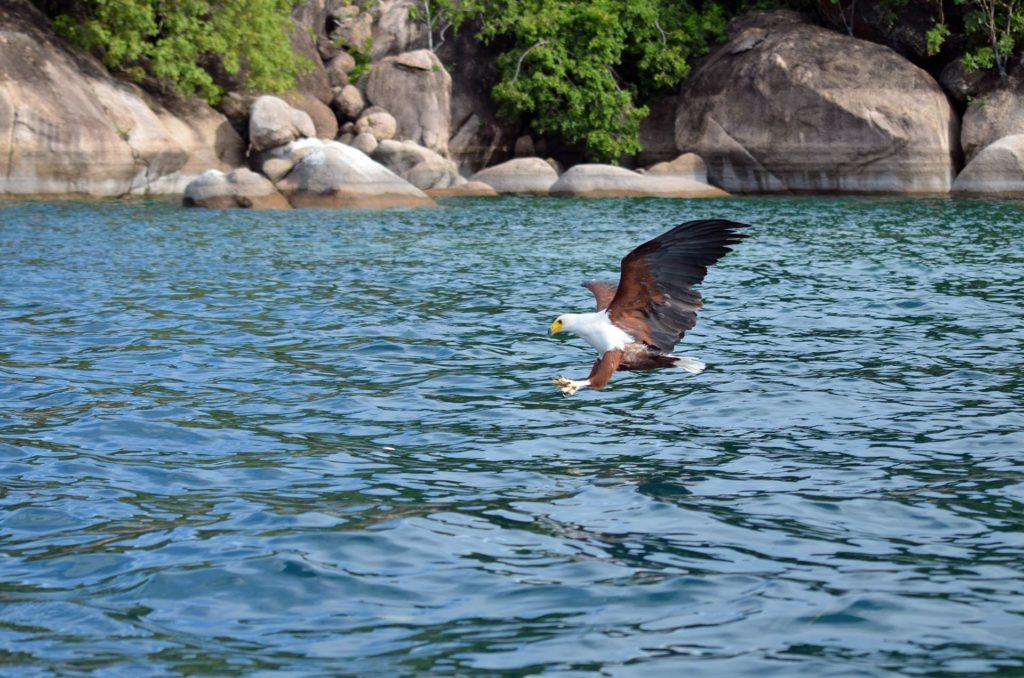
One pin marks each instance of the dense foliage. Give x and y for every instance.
(582, 72)
(169, 39)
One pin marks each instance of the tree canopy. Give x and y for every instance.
(170, 38)
(583, 72)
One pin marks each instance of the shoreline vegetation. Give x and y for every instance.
(443, 98)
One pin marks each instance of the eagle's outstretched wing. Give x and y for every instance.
(655, 300)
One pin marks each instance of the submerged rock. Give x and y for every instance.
(239, 188)
(608, 181)
(997, 170)
(519, 176)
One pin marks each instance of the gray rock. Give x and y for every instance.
(67, 127)
(519, 176)
(378, 122)
(365, 142)
(688, 165)
(416, 89)
(420, 166)
(785, 105)
(996, 170)
(994, 115)
(325, 122)
(240, 188)
(349, 102)
(608, 181)
(469, 189)
(331, 174)
(274, 123)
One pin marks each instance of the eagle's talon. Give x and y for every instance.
(568, 387)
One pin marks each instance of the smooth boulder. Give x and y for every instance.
(519, 176)
(468, 189)
(239, 188)
(789, 106)
(331, 174)
(997, 170)
(608, 181)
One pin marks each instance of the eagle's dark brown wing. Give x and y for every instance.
(655, 300)
(604, 292)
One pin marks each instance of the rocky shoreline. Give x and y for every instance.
(783, 106)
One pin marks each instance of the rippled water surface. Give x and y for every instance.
(326, 443)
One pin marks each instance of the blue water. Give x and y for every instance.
(326, 443)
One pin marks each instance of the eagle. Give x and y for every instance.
(640, 320)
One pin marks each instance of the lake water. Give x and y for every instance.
(326, 443)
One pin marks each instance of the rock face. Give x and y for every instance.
(421, 167)
(335, 175)
(786, 106)
(67, 127)
(997, 170)
(239, 188)
(608, 181)
(416, 89)
(519, 176)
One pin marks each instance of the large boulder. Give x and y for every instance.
(519, 176)
(273, 122)
(996, 170)
(67, 127)
(788, 106)
(239, 188)
(416, 89)
(421, 167)
(331, 174)
(608, 181)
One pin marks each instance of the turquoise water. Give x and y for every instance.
(326, 443)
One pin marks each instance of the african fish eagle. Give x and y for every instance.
(640, 320)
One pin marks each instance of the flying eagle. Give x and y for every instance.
(640, 320)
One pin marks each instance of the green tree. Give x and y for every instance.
(167, 38)
(583, 72)
(999, 25)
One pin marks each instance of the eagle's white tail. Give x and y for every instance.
(691, 365)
